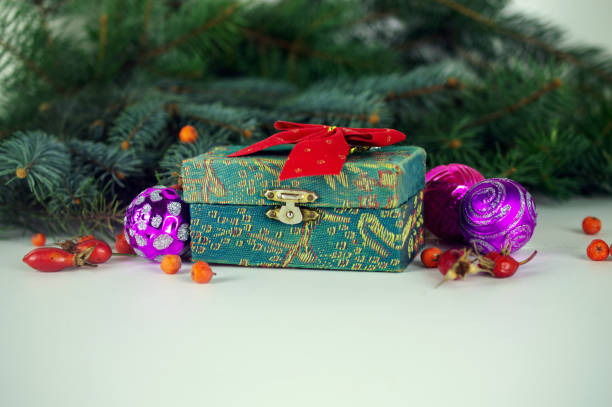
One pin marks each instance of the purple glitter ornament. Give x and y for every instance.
(157, 223)
(497, 213)
(445, 185)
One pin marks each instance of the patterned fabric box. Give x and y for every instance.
(367, 218)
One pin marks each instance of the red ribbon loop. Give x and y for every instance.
(320, 149)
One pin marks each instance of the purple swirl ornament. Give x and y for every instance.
(157, 223)
(497, 213)
(445, 185)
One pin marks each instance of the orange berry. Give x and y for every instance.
(374, 118)
(39, 239)
(591, 225)
(125, 145)
(188, 134)
(598, 250)
(201, 272)
(429, 257)
(170, 264)
(122, 245)
(455, 143)
(21, 173)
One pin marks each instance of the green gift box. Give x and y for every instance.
(367, 218)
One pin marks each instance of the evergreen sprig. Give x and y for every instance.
(36, 158)
(139, 126)
(115, 81)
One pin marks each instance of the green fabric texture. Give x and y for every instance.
(341, 239)
(370, 216)
(381, 178)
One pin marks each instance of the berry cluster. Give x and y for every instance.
(91, 251)
(456, 264)
(200, 271)
(598, 249)
(81, 251)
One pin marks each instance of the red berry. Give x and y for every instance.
(598, 250)
(122, 246)
(38, 239)
(505, 266)
(591, 225)
(429, 257)
(101, 250)
(50, 259)
(447, 260)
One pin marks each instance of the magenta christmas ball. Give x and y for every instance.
(445, 185)
(157, 223)
(497, 213)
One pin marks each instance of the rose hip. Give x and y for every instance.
(51, 259)
(101, 250)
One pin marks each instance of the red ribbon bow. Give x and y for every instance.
(320, 149)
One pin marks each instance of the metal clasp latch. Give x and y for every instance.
(289, 213)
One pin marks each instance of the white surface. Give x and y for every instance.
(129, 335)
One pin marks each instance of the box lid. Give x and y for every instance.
(378, 178)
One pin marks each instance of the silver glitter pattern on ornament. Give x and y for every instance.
(156, 221)
(174, 208)
(141, 241)
(139, 252)
(162, 241)
(497, 213)
(183, 232)
(153, 224)
(155, 196)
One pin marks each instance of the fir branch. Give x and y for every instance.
(296, 44)
(139, 125)
(234, 120)
(265, 39)
(102, 42)
(549, 87)
(451, 83)
(144, 37)
(491, 23)
(32, 66)
(170, 164)
(98, 214)
(105, 162)
(38, 159)
(334, 106)
(205, 26)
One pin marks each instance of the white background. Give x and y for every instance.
(129, 335)
(587, 21)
